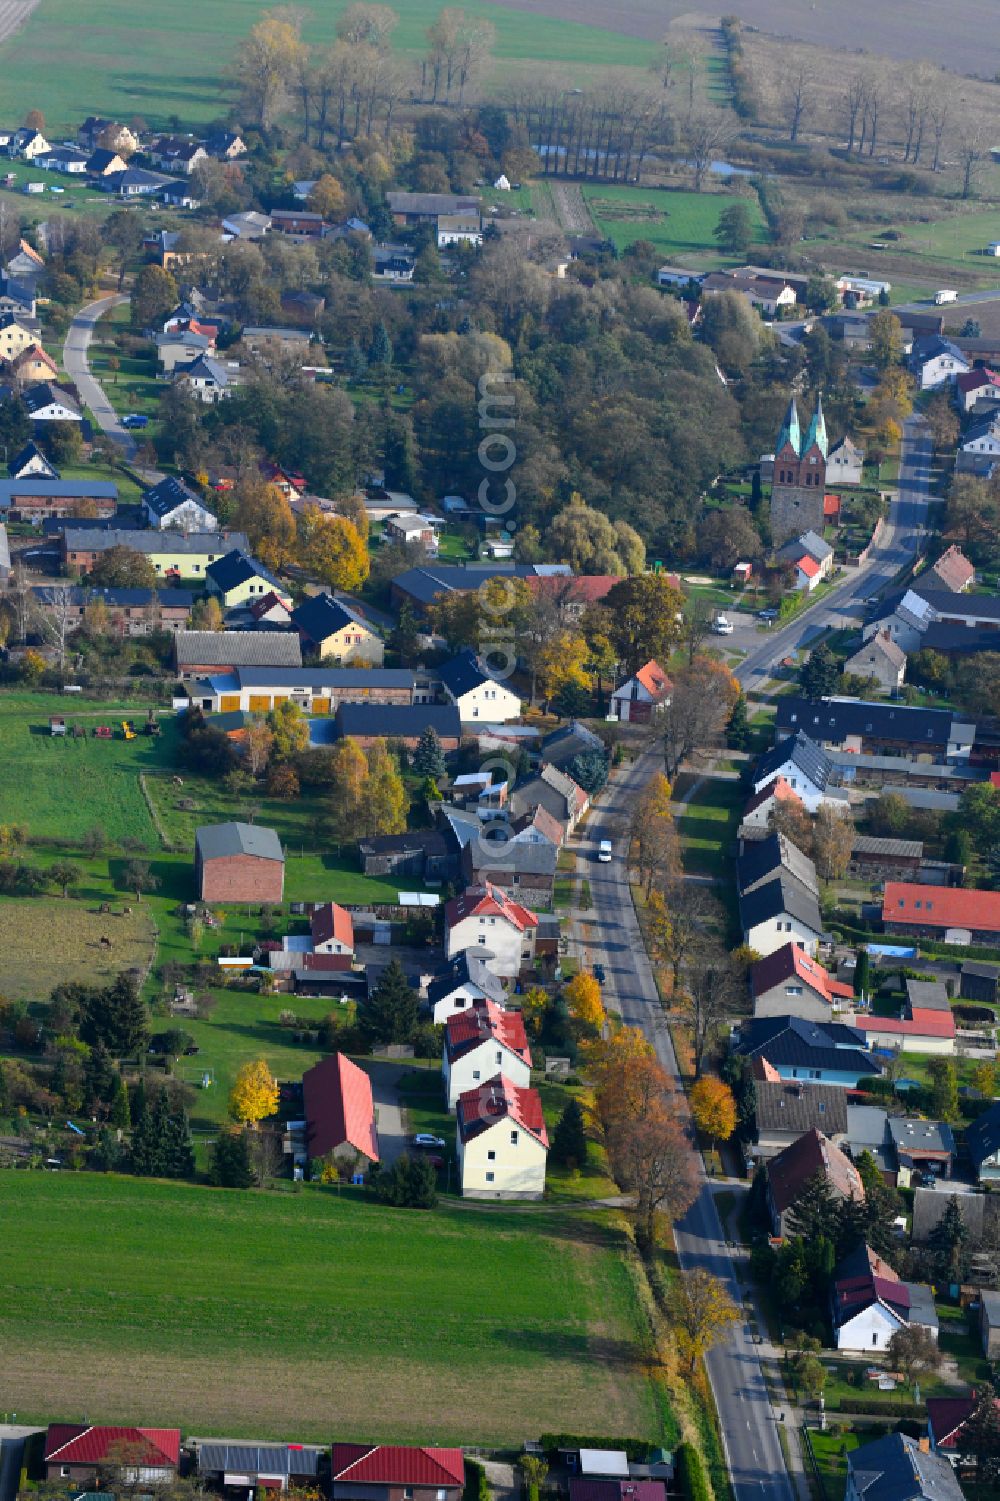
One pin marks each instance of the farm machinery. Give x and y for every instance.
(128, 729)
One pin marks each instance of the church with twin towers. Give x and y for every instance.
(799, 484)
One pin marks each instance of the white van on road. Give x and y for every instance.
(604, 851)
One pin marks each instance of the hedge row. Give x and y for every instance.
(637, 1449)
(690, 1473)
(477, 1487)
(874, 1406)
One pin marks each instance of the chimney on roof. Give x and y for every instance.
(924, 1445)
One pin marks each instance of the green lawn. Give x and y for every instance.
(60, 787)
(708, 826)
(115, 64)
(680, 224)
(830, 1451)
(300, 1315)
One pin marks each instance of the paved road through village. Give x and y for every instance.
(611, 936)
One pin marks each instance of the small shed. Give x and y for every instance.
(980, 982)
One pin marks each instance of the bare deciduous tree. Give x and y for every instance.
(707, 135)
(59, 617)
(972, 148)
(798, 99)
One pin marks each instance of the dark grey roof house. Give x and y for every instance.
(896, 1468)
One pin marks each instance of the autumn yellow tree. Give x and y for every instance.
(534, 1004)
(331, 548)
(655, 846)
(583, 998)
(328, 198)
(701, 1311)
(349, 769)
(713, 1108)
(263, 512)
(254, 1094)
(383, 795)
(563, 662)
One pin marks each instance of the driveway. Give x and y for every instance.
(385, 1077)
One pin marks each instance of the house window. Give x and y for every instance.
(499, 1056)
(491, 1156)
(795, 1073)
(477, 1074)
(407, 1493)
(513, 1138)
(793, 989)
(490, 1177)
(482, 938)
(875, 1337)
(64, 1469)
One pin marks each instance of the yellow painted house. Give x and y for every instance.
(14, 337)
(238, 579)
(172, 554)
(337, 633)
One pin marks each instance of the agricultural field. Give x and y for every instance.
(115, 63)
(47, 942)
(915, 30)
(680, 224)
(61, 787)
(333, 1311)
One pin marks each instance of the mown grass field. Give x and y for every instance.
(125, 60)
(329, 1315)
(680, 224)
(48, 942)
(61, 787)
(708, 825)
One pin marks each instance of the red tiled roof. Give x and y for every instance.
(581, 1489)
(941, 907)
(332, 922)
(808, 566)
(947, 1416)
(953, 569)
(654, 679)
(764, 1071)
(337, 1099)
(482, 1022)
(391, 1464)
(80, 1444)
(831, 505)
(921, 1023)
(495, 1100)
(972, 380)
(791, 961)
(587, 589)
(790, 1171)
(267, 602)
(488, 900)
(778, 788)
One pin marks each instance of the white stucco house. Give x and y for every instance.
(870, 1303)
(465, 981)
(803, 765)
(475, 693)
(485, 919)
(480, 1042)
(936, 361)
(637, 699)
(171, 505)
(502, 1145)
